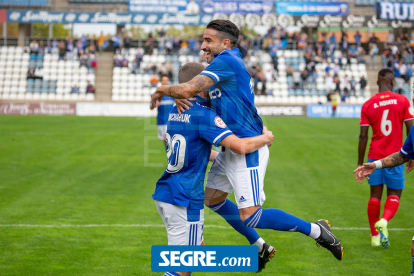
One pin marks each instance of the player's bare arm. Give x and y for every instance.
(183, 90)
(391, 161)
(248, 145)
(362, 145)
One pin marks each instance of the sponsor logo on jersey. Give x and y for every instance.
(184, 118)
(242, 199)
(219, 122)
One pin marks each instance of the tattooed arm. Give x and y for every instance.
(183, 90)
(390, 161)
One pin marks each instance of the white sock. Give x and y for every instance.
(315, 231)
(259, 243)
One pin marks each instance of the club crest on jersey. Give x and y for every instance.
(219, 122)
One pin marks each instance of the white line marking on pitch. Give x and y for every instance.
(161, 225)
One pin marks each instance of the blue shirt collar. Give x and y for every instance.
(235, 51)
(202, 101)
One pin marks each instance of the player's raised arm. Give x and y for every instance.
(183, 90)
(391, 161)
(247, 145)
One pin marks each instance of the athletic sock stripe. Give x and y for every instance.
(258, 219)
(253, 219)
(219, 206)
(251, 179)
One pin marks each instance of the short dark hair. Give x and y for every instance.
(189, 71)
(165, 76)
(226, 28)
(384, 72)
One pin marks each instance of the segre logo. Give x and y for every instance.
(204, 258)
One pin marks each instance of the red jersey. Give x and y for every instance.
(385, 113)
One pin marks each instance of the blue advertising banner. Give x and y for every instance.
(48, 17)
(312, 8)
(243, 7)
(208, 258)
(325, 111)
(175, 6)
(24, 2)
(395, 11)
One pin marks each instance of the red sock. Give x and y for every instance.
(374, 209)
(391, 207)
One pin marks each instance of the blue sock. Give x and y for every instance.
(278, 220)
(172, 274)
(229, 211)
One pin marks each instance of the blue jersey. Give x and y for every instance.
(164, 109)
(408, 148)
(232, 95)
(189, 139)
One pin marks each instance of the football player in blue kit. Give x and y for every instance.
(179, 193)
(232, 97)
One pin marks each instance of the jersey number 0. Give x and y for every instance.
(175, 152)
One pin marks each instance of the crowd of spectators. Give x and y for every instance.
(68, 49)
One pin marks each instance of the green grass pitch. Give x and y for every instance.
(102, 171)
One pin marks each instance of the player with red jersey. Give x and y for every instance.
(385, 112)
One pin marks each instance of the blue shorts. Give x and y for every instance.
(392, 177)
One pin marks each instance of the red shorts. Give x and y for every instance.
(334, 107)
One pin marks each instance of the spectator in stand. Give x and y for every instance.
(273, 53)
(62, 50)
(41, 49)
(390, 37)
(136, 65)
(31, 72)
(176, 44)
(69, 49)
(360, 55)
(390, 63)
(169, 45)
(90, 88)
(363, 85)
(337, 83)
(84, 39)
(373, 39)
(79, 47)
(170, 69)
(55, 43)
(403, 70)
(75, 89)
(183, 47)
(408, 57)
(344, 97)
(336, 68)
(315, 38)
(346, 83)
(373, 51)
(101, 41)
(191, 43)
(256, 43)
(332, 39)
(313, 77)
(332, 47)
(116, 39)
(329, 83)
(34, 47)
(127, 43)
(48, 48)
(352, 84)
(289, 71)
(161, 40)
(117, 60)
(345, 46)
(94, 65)
(296, 79)
(267, 41)
(196, 49)
(154, 80)
(304, 77)
(39, 73)
(84, 60)
(357, 38)
(125, 61)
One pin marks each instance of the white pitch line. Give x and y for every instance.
(161, 225)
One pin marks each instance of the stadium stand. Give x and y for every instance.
(373, 2)
(128, 86)
(54, 82)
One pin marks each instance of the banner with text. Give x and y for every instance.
(37, 108)
(208, 258)
(325, 111)
(312, 8)
(170, 6)
(49, 17)
(243, 7)
(395, 11)
(281, 110)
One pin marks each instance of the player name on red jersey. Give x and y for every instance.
(385, 103)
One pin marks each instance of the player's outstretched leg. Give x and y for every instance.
(390, 208)
(229, 211)
(279, 220)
